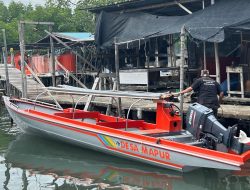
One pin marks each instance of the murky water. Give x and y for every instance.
(32, 162)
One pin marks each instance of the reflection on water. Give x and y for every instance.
(31, 162)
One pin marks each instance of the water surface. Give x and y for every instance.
(32, 162)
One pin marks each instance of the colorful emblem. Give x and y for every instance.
(109, 141)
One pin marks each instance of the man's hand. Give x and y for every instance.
(169, 95)
(165, 96)
(176, 94)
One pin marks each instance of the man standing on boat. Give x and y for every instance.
(208, 91)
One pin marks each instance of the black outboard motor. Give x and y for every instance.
(203, 125)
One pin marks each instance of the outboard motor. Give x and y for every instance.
(203, 125)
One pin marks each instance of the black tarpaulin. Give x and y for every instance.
(210, 24)
(206, 25)
(134, 26)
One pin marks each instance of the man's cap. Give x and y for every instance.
(204, 73)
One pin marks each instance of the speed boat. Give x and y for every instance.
(205, 143)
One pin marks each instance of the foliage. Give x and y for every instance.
(67, 16)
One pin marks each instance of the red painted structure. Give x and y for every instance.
(40, 64)
(17, 62)
(68, 60)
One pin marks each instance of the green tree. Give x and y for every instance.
(58, 3)
(16, 10)
(85, 20)
(3, 12)
(66, 16)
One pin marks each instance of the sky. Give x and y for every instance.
(33, 2)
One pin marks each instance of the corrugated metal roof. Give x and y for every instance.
(157, 7)
(76, 36)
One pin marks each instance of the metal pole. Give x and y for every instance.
(5, 54)
(117, 67)
(182, 67)
(204, 56)
(216, 54)
(22, 50)
(204, 46)
(217, 62)
(52, 58)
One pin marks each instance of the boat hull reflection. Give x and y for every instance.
(50, 157)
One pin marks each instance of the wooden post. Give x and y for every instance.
(52, 58)
(100, 83)
(5, 55)
(182, 67)
(22, 50)
(173, 52)
(12, 57)
(91, 97)
(105, 82)
(111, 83)
(137, 58)
(217, 62)
(156, 53)
(228, 84)
(6, 72)
(76, 68)
(108, 111)
(139, 113)
(169, 51)
(75, 52)
(117, 67)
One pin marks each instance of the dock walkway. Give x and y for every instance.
(15, 77)
(234, 111)
(226, 111)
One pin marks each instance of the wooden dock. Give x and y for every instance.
(15, 77)
(226, 111)
(234, 111)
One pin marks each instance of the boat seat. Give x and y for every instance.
(122, 124)
(78, 115)
(89, 120)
